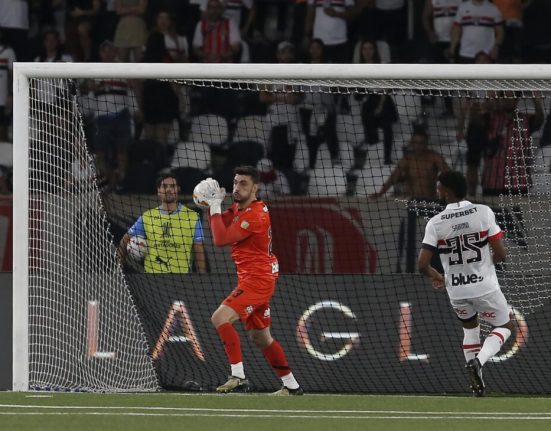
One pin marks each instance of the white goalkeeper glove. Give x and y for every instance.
(216, 197)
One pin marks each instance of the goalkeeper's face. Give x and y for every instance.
(244, 189)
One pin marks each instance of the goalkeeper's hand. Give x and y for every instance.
(216, 197)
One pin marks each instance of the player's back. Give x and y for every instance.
(463, 231)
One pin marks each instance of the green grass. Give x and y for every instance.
(173, 411)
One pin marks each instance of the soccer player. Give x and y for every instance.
(469, 243)
(174, 233)
(246, 226)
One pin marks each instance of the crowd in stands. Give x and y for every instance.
(138, 127)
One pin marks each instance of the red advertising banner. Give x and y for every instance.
(320, 236)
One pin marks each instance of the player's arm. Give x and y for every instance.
(396, 174)
(427, 21)
(454, 38)
(200, 261)
(137, 229)
(498, 248)
(424, 266)
(223, 235)
(441, 164)
(199, 248)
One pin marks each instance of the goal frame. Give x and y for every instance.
(22, 72)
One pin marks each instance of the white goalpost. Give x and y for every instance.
(75, 322)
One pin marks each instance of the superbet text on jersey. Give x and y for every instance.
(461, 235)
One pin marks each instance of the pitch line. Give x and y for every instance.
(265, 416)
(150, 410)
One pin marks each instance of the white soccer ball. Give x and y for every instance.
(201, 194)
(137, 247)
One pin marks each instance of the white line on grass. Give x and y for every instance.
(279, 411)
(278, 416)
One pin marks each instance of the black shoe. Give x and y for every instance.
(474, 369)
(285, 391)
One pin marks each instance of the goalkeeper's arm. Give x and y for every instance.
(223, 235)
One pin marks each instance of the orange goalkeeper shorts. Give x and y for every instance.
(251, 301)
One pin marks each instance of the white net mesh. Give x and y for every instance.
(85, 333)
(334, 239)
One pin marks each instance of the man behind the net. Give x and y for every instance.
(468, 240)
(246, 226)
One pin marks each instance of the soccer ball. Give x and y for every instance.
(137, 247)
(200, 195)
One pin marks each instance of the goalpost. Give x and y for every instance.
(348, 309)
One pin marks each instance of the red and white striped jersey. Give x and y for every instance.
(443, 15)
(478, 23)
(460, 235)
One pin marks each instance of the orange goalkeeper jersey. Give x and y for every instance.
(253, 255)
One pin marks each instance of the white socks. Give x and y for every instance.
(237, 370)
(471, 343)
(289, 381)
(493, 343)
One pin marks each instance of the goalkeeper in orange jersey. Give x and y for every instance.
(246, 226)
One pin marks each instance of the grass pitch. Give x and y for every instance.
(261, 412)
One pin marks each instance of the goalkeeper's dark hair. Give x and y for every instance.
(250, 171)
(163, 177)
(454, 181)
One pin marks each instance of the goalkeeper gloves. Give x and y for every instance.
(213, 193)
(216, 197)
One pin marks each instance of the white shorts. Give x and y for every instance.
(492, 308)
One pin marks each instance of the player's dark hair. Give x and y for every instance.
(422, 133)
(454, 181)
(163, 177)
(250, 171)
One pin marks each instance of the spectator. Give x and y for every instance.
(160, 101)
(318, 114)
(272, 181)
(419, 168)
(508, 157)
(378, 110)
(478, 26)
(283, 115)
(233, 9)
(512, 12)
(7, 57)
(131, 32)
(176, 44)
(474, 111)
(391, 26)
(81, 16)
(14, 25)
(364, 24)
(327, 20)
(50, 95)
(51, 49)
(438, 18)
(216, 38)
(115, 106)
(106, 24)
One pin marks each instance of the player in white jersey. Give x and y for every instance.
(468, 240)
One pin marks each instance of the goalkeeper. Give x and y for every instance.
(246, 226)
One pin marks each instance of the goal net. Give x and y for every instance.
(348, 158)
